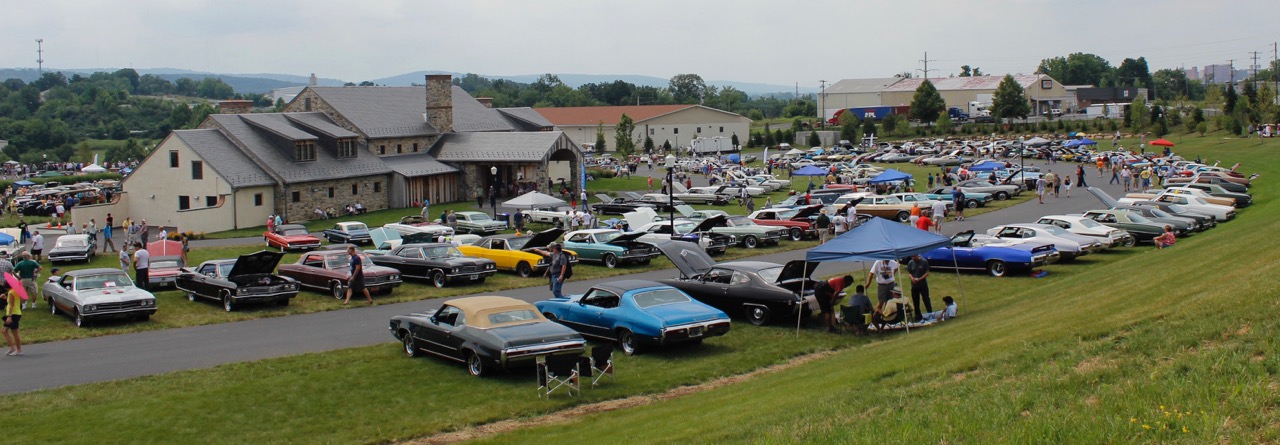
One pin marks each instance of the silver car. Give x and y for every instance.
(98, 294)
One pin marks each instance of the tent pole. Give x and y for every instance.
(956, 263)
(898, 273)
(803, 304)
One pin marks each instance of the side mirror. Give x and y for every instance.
(434, 320)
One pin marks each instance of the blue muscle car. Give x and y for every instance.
(994, 255)
(637, 313)
(353, 232)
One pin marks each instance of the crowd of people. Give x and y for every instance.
(891, 307)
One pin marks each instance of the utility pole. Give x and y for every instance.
(822, 105)
(1254, 77)
(1275, 71)
(40, 57)
(926, 61)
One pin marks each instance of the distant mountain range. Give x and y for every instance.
(265, 82)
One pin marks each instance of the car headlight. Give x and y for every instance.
(455, 270)
(91, 308)
(395, 277)
(626, 252)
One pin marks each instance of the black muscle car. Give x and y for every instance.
(757, 290)
(441, 263)
(486, 333)
(618, 206)
(248, 279)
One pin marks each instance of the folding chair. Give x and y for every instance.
(601, 364)
(856, 318)
(558, 371)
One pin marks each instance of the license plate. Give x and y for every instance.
(695, 332)
(474, 277)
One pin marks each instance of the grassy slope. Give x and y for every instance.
(1132, 352)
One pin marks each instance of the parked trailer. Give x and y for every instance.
(714, 144)
(877, 113)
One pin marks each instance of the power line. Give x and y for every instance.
(926, 61)
(40, 57)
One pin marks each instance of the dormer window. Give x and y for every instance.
(347, 148)
(304, 151)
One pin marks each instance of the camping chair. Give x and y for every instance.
(899, 317)
(856, 317)
(600, 364)
(558, 371)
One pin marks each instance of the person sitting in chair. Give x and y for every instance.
(855, 313)
(891, 312)
(945, 314)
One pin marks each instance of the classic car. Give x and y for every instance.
(485, 333)
(786, 183)
(698, 215)
(1198, 205)
(1000, 192)
(1137, 225)
(942, 160)
(551, 215)
(734, 190)
(1181, 225)
(68, 248)
(1241, 199)
(478, 222)
(1205, 221)
(1080, 225)
(164, 270)
(1208, 176)
(1229, 186)
(618, 206)
(972, 199)
(609, 247)
(328, 271)
(995, 256)
(759, 291)
(9, 244)
(1152, 195)
(742, 229)
(247, 279)
(442, 263)
(637, 313)
(887, 207)
(516, 254)
(659, 201)
(414, 224)
(796, 221)
(686, 195)
(1069, 245)
(923, 200)
(659, 231)
(96, 294)
(353, 232)
(290, 237)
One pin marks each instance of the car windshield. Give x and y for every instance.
(441, 252)
(1177, 208)
(660, 297)
(517, 243)
(71, 242)
(1139, 218)
(1089, 223)
(166, 264)
(739, 221)
(357, 226)
(103, 281)
(605, 237)
(512, 316)
(479, 217)
(1160, 213)
(295, 232)
(1054, 230)
(771, 274)
(684, 227)
(344, 261)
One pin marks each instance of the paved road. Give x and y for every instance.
(72, 362)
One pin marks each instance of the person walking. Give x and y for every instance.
(141, 266)
(1066, 185)
(27, 271)
(355, 281)
(23, 234)
(1080, 177)
(37, 245)
(12, 319)
(823, 226)
(939, 215)
(1124, 178)
(426, 208)
(186, 249)
(885, 274)
(480, 198)
(924, 222)
(106, 238)
(918, 270)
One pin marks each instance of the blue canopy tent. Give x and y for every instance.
(986, 167)
(734, 158)
(1079, 142)
(810, 170)
(6, 239)
(24, 183)
(890, 175)
(879, 239)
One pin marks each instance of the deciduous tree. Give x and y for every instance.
(927, 103)
(1009, 100)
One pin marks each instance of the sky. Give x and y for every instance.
(776, 42)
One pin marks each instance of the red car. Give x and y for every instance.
(166, 263)
(291, 237)
(327, 271)
(797, 221)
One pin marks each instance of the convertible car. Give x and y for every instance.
(328, 271)
(96, 294)
(72, 248)
(247, 279)
(994, 255)
(637, 313)
(516, 254)
(485, 333)
(609, 247)
(760, 291)
(442, 263)
(291, 237)
(478, 222)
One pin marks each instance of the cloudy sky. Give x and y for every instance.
(778, 42)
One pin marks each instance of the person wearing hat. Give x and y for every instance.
(559, 267)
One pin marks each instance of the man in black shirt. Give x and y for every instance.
(918, 268)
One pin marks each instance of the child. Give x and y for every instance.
(1066, 186)
(946, 314)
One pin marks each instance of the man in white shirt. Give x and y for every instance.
(938, 215)
(37, 245)
(141, 266)
(885, 273)
(840, 223)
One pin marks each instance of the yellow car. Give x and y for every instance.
(516, 254)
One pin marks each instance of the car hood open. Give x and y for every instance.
(806, 212)
(709, 223)
(797, 269)
(257, 263)
(689, 258)
(625, 237)
(541, 239)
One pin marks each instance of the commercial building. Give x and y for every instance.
(1043, 91)
(677, 124)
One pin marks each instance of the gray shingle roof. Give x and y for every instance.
(420, 164)
(469, 115)
(381, 112)
(317, 122)
(326, 166)
(275, 123)
(224, 158)
(525, 118)
(519, 146)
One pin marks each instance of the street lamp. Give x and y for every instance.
(671, 182)
(493, 185)
(1022, 159)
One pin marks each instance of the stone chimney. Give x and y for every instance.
(235, 106)
(313, 82)
(486, 101)
(440, 102)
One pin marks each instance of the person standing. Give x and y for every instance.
(915, 213)
(924, 222)
(559, 268)
(479, 197)
(271, 224)
(839, 224)
(1066, 185)
(957, 197)
(1041, 183)
(12, 320)
(918, 269)
(141, 266)
(582, 198)
(1080, 177)
(37, 245)
(186, 249)
(91, 229)
(822, 226)
(27, 271)
(125, 257)
(355, 282)
(939, 214)
(106, 237)
(885, 273)
(23, 235)
(426, 208)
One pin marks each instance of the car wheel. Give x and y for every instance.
(971, 204)
(524, 270)
(475, 365)
(758, 315)
(144, 317)
(750, 242)
(628, 342)
(903, 216)
(610, 261)
(997, 268)
(191, 296)
(228, 304)
(79, 319)
(282, 302)
(410, 349)
(437, 279)
(1001, 196)
(1130, 242)
(796, 234)
(337, 290)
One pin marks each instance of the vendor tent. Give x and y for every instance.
(795, 152)
(1162, 142)
(93, 168)
(810, 170)
(24, 183)
(890, 175)
(1036, 141)
(987, 166)
(534, 199)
